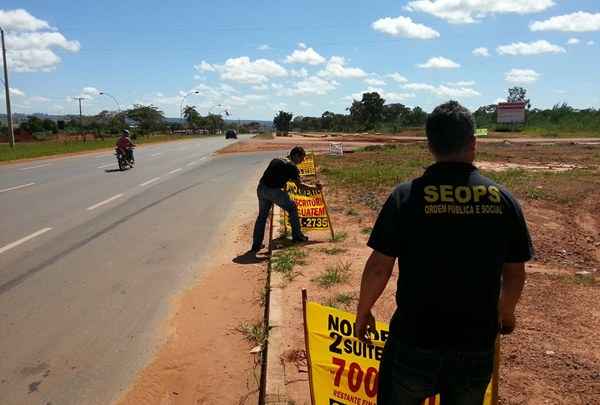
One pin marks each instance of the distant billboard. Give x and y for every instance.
(511, 113)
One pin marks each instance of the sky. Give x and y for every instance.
(306, 57)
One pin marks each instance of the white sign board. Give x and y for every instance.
(511, 113)
(336, 149)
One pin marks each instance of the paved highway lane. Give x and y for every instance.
(81, 300)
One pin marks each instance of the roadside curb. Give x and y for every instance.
(273, 372)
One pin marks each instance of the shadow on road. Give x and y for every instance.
(112, 170)
(250, 258)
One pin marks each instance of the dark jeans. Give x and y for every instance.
(408, 375)
(268, 196)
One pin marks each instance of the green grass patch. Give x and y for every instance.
(366, 231)
(341, 300)
(285, 260)
(340, 236)
(334, 275)
(50, 148)
(332, 251)
(254, 333)
(352, 212)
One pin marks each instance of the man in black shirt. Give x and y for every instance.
(270, 191)
(461, 242)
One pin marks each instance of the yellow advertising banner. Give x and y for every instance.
(343, 369)
(312, 209)
(308, 166)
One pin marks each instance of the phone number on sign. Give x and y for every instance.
(314, 222)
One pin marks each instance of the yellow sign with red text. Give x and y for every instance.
(308, 166)
(312, 210)
(343, 369)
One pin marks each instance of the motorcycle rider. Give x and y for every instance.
(125, 145)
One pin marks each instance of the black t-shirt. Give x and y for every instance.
(279, 172)
(452, 230)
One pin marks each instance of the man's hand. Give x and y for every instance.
(365, 323)
(507, 323)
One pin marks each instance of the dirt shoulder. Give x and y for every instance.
(206, 357)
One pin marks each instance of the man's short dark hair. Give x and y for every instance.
(297, 151)
(450, 128)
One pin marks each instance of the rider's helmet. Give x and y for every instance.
(125, 132)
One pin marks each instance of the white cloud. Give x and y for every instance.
(277, 86)
(299, 73)
(245, 99)
(470, 11)
(522, 76)
(375, 82)
(397, 77)
(336, 68)
(389, 97)
(90, 91)
(21, 20)
(308, 56)
(301, 45)
(16, 92)
(264, 47)
(244, 70)
(38, 99)
(481, 52)
(576, 22)
(573, 41)
(439, 63)
(444, 91)
(462, 84)
(404, 27)
(204, 67)
(590, 43)
(311, 85)
(260, 87)
(30, 51)
(531, 48)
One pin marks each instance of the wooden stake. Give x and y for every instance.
(308, 362)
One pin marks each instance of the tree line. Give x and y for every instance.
(141, 119)
(371, 113)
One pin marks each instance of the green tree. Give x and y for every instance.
(191, 115)
(214, 122)
(518, 94)
(369, 111)
(50, 125)
(281, 122)
(148, 118)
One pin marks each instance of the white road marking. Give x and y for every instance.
(192, 163)
(149, 181)
(175, 171)
(16, 187)
(101, 203)
(156, 154)
(106, 165)
(23, 240)
(35, 167)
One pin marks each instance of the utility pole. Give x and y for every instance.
(80, 99)
(11, 134)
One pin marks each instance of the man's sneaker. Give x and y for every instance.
(301, 238)
(256, 249)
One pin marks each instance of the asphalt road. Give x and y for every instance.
(90, 257)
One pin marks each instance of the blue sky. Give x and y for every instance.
(305, 57)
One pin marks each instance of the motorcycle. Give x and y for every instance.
(123, 160)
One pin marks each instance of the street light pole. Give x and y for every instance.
(11, 134)
(103, 93)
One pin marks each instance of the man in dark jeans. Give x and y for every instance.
(270, 191)
(461, 242)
